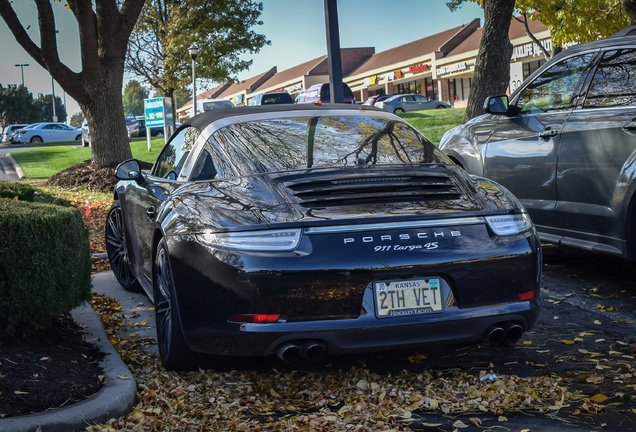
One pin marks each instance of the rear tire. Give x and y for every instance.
(174, 351)
(398, 111)
(36, 139)
(440, 107)
(117, 251)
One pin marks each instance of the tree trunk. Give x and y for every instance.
(104, 28)
(630, 9)
(106, 122)
(492, 67)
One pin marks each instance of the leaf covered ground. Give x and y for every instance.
(576, 368)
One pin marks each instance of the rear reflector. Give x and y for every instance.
(527, 295)
(255, 318)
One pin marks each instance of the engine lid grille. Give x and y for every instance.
(328, 189)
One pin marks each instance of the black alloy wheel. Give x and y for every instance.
(116, 249)
(174, 351)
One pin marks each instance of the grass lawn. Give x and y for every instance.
(434, 123)
(44, 162)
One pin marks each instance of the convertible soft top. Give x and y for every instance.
(200, 121)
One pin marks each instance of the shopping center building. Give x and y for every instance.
(440, 66)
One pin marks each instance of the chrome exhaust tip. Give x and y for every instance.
(496, 335)
(313, 351)
(289, 352)
(513, 332)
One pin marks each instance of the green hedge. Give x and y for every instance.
(23, 191)
(45, 264)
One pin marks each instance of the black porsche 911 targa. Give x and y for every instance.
(300, 230)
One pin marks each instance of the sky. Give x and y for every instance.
(296, 29)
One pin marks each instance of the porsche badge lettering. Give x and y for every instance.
(423, 235)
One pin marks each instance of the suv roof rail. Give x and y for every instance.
(627, 31)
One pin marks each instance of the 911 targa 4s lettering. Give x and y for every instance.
(300, 230)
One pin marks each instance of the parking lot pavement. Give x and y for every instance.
(585, 339)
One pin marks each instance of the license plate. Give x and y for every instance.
(408, 297)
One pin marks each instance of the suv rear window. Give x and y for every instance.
(276, 98)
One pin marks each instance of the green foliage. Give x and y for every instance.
(12, 190)
(45, 264)
(576, 21)
(179, 96)
(134, 95)
(17, 106)
(158, 49)
(45, 107)
(76, 120)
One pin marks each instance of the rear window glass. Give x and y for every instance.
(316, 142)
(613, 83)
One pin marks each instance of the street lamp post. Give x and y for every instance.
(21, 66)
(53, 97)
(194, 50)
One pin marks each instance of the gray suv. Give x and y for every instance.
(565, 144)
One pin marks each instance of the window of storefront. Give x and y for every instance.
(409, 87)
(452, 89)
(459, 88)
(530, 67)
(466, 83)
(430, 88)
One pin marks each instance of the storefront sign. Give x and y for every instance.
(294, 88)
(531, 49)
(516, 75)
(398, 73)
(389, 76)
(418, 68)
(458, 67)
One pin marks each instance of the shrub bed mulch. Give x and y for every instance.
(52, 368)
(55, 367)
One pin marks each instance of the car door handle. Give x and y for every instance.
(548, 133)
(150, 211)
(629, 126)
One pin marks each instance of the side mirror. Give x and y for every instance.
(128, 170)
(496, 105)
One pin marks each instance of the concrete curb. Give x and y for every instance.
(115, 399)
(16, 167)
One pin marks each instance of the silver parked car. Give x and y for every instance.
(46, 132)
(565, 144)
(410, 102)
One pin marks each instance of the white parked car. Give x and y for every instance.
(46, 132)
(10, 130)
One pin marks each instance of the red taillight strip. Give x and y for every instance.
(530, 295)
(255, 318)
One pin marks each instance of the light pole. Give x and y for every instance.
(53, 97)
(21, 66)
(194, 50)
